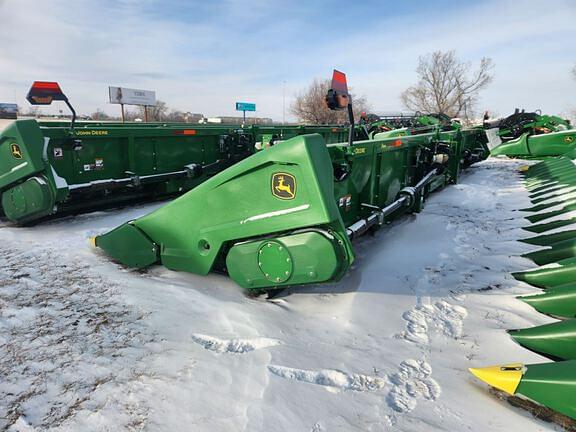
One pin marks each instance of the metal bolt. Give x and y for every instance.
(269, 244)
(287, 273)
(280, 248)
(277, 279)
(259, 263)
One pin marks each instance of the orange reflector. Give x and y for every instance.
(185, 132)
(397, 143)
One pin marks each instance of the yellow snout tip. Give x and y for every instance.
(92, 241)
(504, 377)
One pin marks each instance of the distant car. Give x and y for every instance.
(8, 111)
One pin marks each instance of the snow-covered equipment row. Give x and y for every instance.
(55, 168)
(287, 215)
(552, 187)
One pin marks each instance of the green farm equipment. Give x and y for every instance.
(552, 385)
(287, 215)
(548, 388)
(532, 134)
(414, 122)
(533, 123)
(56, 168)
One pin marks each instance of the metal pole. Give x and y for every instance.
(122, 109)
(283, 103)
(145, 114)
(351, 121)
(73, 113)
(244, 117)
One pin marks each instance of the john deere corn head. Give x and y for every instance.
(552, 187)
(531, 134)
(55, 168)
(287, 215)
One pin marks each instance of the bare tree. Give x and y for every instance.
(176, 116)
(100, 115)
(155, 113)
(447, 85)
(310, 106)
(574, 72)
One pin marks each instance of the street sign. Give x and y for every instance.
(128, 96)
(245, 106)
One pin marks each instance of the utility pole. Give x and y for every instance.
(283, 103)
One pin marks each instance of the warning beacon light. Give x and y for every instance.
(338, 98)
(44, 92)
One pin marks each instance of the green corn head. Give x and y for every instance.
(287, 215)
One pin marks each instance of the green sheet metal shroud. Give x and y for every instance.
(287, 215)
(556, 341)
(550, 384)
(273, 215)
(559, 301)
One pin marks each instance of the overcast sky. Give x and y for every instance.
(202, 56)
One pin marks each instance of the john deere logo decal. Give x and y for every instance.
(283, 186)
(569, 139)
(16, 152)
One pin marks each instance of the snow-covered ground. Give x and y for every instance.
(87, 345)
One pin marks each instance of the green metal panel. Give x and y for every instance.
(135, 250)
(552, 385)
(546, 277)
(550, 239)
(549, 144)
(559, 301)
(296, 259)
(556, 341)
(330, 193)
(240, 203)
(109, 163)
(28, 200)
(558, 251)
(17, 160)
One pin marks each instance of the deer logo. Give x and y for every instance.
(16, 152)
(284, 186)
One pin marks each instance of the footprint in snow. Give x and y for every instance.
(332, 379)
(233, 346)
(411, 383)
(442, 316)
